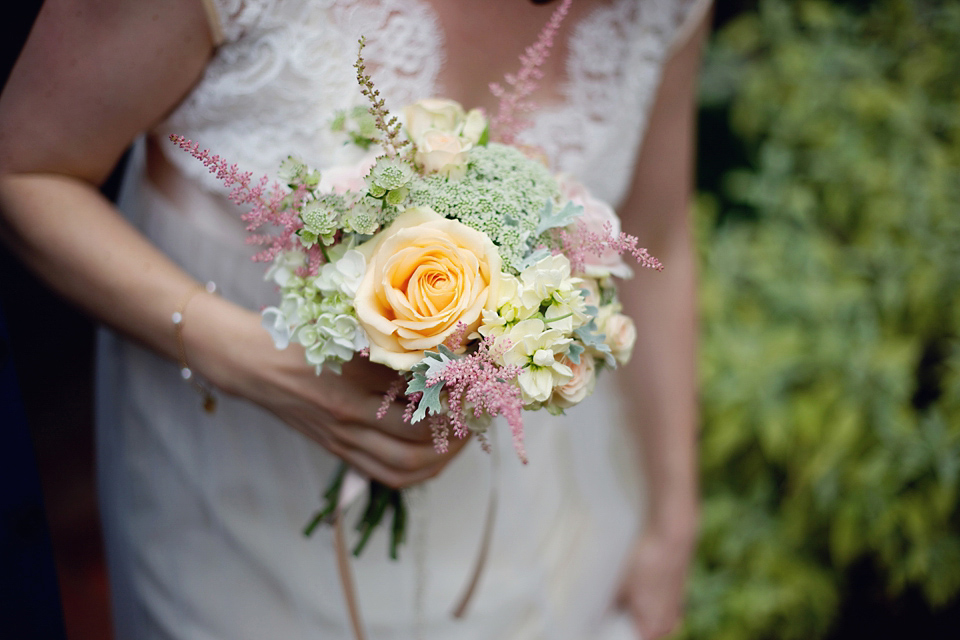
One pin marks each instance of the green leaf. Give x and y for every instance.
(550, 219)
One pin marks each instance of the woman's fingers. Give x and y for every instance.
(396, 463)
(371, 466)
(349, 402)
(369, 375)
(376, 452)
(340, 412)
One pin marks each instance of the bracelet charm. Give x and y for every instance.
(206, 393)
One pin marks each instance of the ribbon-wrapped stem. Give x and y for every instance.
(380, 499)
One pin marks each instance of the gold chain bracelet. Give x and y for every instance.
(209, 400)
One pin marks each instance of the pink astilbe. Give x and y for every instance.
(454, 341)
(477, 383)
(273, 206)
(440, 430)
(509, 121)
(390, 396)
(584, 242)
(412, 401)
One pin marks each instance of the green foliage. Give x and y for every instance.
(389, 126)
(433, 363)
(831, 316)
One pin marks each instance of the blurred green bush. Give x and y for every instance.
(830, 296)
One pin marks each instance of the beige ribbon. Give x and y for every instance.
(461, 609)
(351, 487)
(348, 493)
(346, 576)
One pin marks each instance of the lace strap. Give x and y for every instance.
(693, 18)
(213, 21)
(230, 19)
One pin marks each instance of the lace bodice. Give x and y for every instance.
(286, 66)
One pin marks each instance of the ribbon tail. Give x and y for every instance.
(461, 609)
(349, 491)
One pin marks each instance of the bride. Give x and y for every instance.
(203, 509)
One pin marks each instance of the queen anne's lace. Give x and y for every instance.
(286, 67)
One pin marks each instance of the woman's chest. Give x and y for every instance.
(287, 69)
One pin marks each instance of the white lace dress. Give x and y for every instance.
(203, 513)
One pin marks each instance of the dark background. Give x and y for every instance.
(51, 346)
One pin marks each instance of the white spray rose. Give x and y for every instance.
(442, 135)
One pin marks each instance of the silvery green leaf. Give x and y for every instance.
(429, 400)
(534, 257)
(574, 351)
(552, 220)
(589, 336)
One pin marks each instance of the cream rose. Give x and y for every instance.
(446, 116)
(443, 153)
(425, 274)
(442, 134)
(432, 113)
(580, 385)
(620, 335)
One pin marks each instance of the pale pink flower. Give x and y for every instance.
(581, 385)
(598, 217)
(350, 177)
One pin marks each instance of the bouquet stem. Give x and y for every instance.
(380, 498)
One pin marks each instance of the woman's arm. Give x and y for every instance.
(660, 380)
(92, 76)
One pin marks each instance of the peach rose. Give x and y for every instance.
(580, 386)
(425, 274)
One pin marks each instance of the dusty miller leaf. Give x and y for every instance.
(553, 220)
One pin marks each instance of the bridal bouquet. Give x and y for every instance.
(450, 254)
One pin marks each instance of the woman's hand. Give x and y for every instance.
(653, 587)
(230, 348)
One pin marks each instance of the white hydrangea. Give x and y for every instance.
(285, 267)
(318, 312)
(344, 275)
(331, 340)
